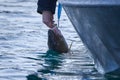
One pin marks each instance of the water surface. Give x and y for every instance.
(24, 54)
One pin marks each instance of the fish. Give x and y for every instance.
(56, 41)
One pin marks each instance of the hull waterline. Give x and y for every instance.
(98, 25)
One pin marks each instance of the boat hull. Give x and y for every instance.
(99, 29)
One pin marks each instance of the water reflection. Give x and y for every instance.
(53, 60)
(34, 77)
(113, 75)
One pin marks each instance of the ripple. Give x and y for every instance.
(10, 12)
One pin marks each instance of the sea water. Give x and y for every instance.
(24, 53)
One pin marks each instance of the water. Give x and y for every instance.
(24, 54)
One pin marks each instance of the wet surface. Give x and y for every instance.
(24, 54)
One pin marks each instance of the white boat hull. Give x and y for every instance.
(98, 25)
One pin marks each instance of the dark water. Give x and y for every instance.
(24, 54)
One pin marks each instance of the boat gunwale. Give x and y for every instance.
(67, 3)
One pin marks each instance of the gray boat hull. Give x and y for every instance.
(99, 28)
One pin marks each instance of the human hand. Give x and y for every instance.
(47, 17)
